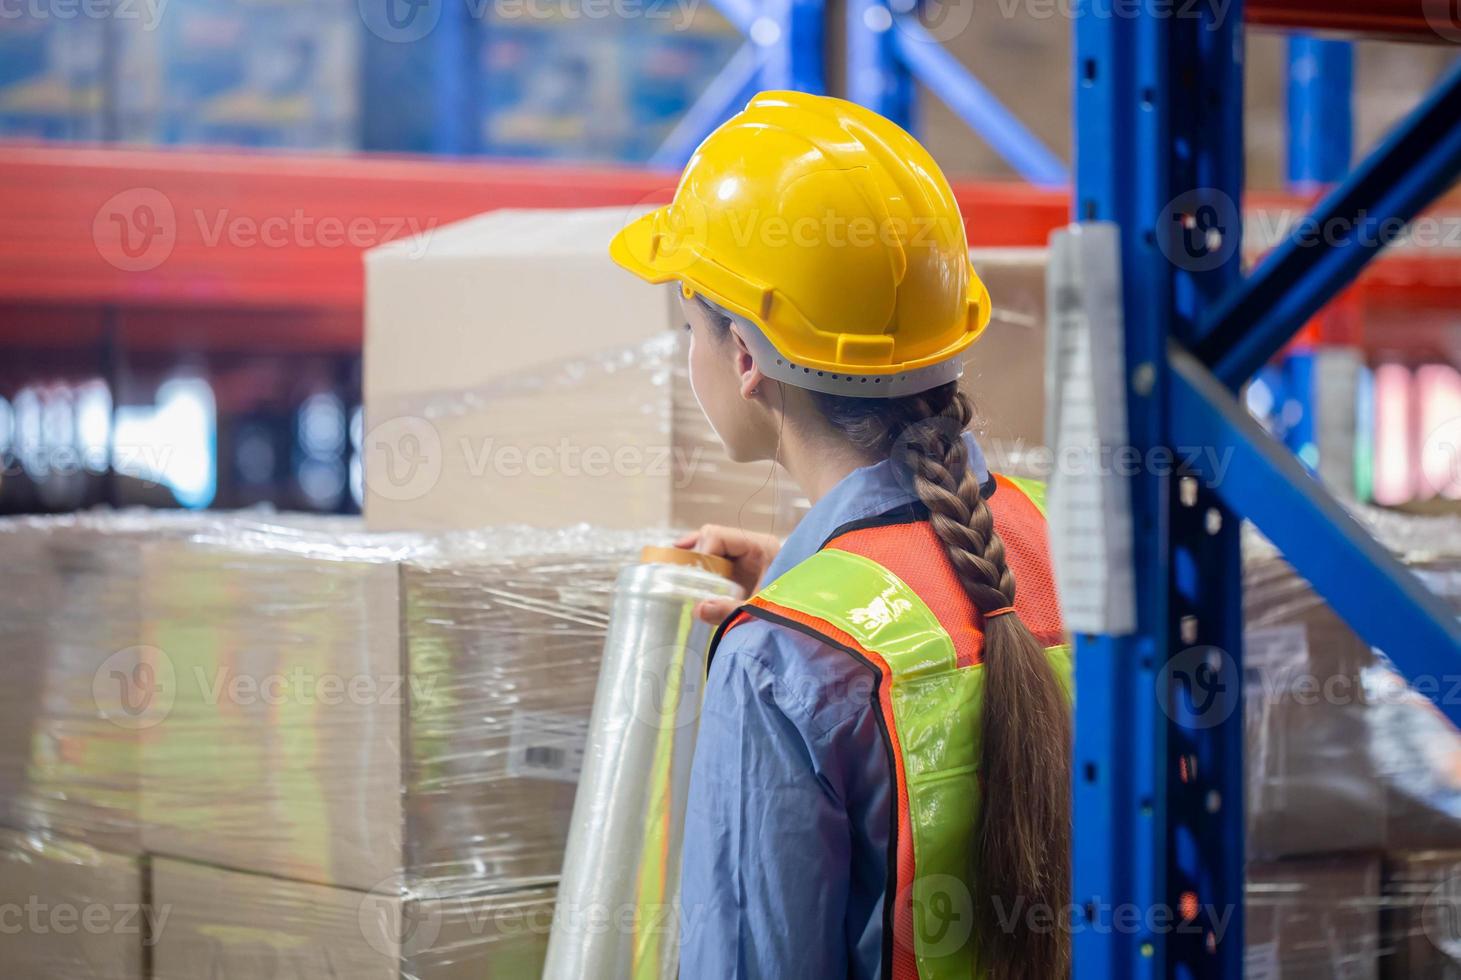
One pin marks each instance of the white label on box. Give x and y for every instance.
(546, 745)
(1260, 962)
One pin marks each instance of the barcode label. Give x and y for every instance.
(547, 745)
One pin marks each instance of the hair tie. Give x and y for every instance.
(1001, 611)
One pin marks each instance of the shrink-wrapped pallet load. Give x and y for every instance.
(69, 910)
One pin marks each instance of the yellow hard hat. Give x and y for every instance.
(832, 232)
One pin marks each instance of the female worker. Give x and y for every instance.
(881, 782)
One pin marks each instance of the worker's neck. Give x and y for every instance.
(817, 459)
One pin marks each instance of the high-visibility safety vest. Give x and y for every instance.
(885, 593)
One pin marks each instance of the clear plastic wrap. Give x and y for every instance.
(69, 910)
(622, 862)
(1351, 770)
(615, 439)
(377, 721)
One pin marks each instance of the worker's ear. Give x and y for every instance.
(752, 380)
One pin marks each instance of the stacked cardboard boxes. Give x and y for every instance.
(383, 730)
(1349, 769)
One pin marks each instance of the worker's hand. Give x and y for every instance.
(750, 555)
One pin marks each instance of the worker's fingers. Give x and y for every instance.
(714, 611)
(688, 540)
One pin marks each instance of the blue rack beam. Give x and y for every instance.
(1415, 164)
(783, 50)
(726, 93)
(931, 63)
(1320, 110)
(1381, 600)
(1158, 783)
(888, 50)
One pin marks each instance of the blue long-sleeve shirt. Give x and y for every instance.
(791, 795)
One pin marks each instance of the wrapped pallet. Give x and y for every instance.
(1313, 919)
(514, 373)
(1343, 754)
(361, 710)
(69, 623)
(242, 926)
(70, 910)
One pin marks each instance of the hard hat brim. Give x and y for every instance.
(633, 249)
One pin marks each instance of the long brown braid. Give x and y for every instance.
(1020, 853)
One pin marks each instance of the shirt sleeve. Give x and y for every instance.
(767, 840)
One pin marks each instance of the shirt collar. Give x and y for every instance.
(868, 491)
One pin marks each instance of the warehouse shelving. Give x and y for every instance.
(57, 288)
(1159, 782)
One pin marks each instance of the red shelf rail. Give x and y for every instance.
(191, 249)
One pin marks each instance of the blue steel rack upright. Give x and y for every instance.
(1158, 793)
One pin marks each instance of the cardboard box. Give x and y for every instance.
(1422, 915)
(514, 373)
(231, 925)
(1313, 919)
(348, 709)
(70, 911)
(1312, 784)
(69, 626)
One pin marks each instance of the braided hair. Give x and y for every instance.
(1021, 845)
(1020, 848)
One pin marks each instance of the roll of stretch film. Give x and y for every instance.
(618, 901)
